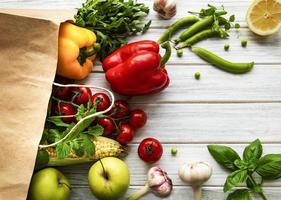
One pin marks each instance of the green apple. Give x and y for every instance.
(49, 184)
(109, 178)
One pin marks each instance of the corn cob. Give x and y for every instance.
(104, 147)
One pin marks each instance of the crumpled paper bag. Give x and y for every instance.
(28, 59)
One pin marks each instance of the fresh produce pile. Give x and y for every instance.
(84, 125)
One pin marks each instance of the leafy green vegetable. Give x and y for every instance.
(224, 155)
(268, 167)
(112, 21)
(241, 194)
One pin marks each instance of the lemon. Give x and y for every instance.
(264, 16)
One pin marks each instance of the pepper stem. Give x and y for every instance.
(197, 192)
(140, 193)
(166, 45)
(85, 53)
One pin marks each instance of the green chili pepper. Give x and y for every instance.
(195, 28)
(201, 36)
(176, 26)
(221, 63)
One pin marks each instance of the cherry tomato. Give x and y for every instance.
(138, 118)
(120, 109)
(101, 100)
(126, 134)
(107, 124)
(62, 93)
(150, 150)
(81, 95)
(66, 109)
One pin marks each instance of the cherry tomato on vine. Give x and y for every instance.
(62, 93)
(66, 109)
(125, 134)
(101, 100)
(81, 95)
(138, 118)
(120, 109)
(107, 124)
(150, 150)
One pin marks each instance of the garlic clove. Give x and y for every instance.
(165, 8)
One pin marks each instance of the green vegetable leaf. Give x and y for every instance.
(63, 150)
(232, 18)
(53, 135)
(81, 112)
(253, 151)
(269, 166)
(241, 194)
(235, 178)
(57, 120)
(88, 145)
(95, 130)
(224, 155)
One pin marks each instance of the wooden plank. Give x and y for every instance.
(208, 193)
(262, 84)
(197, 152)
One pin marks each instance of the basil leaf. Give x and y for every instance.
(236, 177)
(269, 166)
(241, 194)
(224, 155)
(253, 151)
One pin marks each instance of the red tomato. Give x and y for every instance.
(81, 95)
(62, 93)
(101, 100)
(120, 109)
(150, 150)
(138, 118)
(107, 124)
(67, 109)
(126, 134)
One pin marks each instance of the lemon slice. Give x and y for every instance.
(264, 16)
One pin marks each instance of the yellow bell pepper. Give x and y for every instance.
(76, 51)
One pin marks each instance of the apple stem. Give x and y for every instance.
(104, 172)
(140, 193)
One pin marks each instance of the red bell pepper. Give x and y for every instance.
(137, 68)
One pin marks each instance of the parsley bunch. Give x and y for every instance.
(112, 21)
(252, 169)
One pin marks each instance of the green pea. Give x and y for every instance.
(226, 47)
(195, 28)
(197, 75)
(176, 26)
(201, 36)
(174, 151)
(179, 52)
(221, 63)
(244, 42)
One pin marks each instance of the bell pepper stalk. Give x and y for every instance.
(137, 68)
(77, 50)
(157, 181)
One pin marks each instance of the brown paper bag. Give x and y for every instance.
(28, 57)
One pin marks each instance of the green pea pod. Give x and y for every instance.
(195, 28)
(176, 26)
(202, 36)
(236, 68)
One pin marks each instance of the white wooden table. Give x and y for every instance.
(219, 108)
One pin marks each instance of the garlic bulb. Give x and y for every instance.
(195, 174)
(157, 181)
(165, 8)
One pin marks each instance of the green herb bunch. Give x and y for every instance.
(112, 21)
(219, 19)
(249, 170)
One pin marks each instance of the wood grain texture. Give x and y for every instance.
(189, 114)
